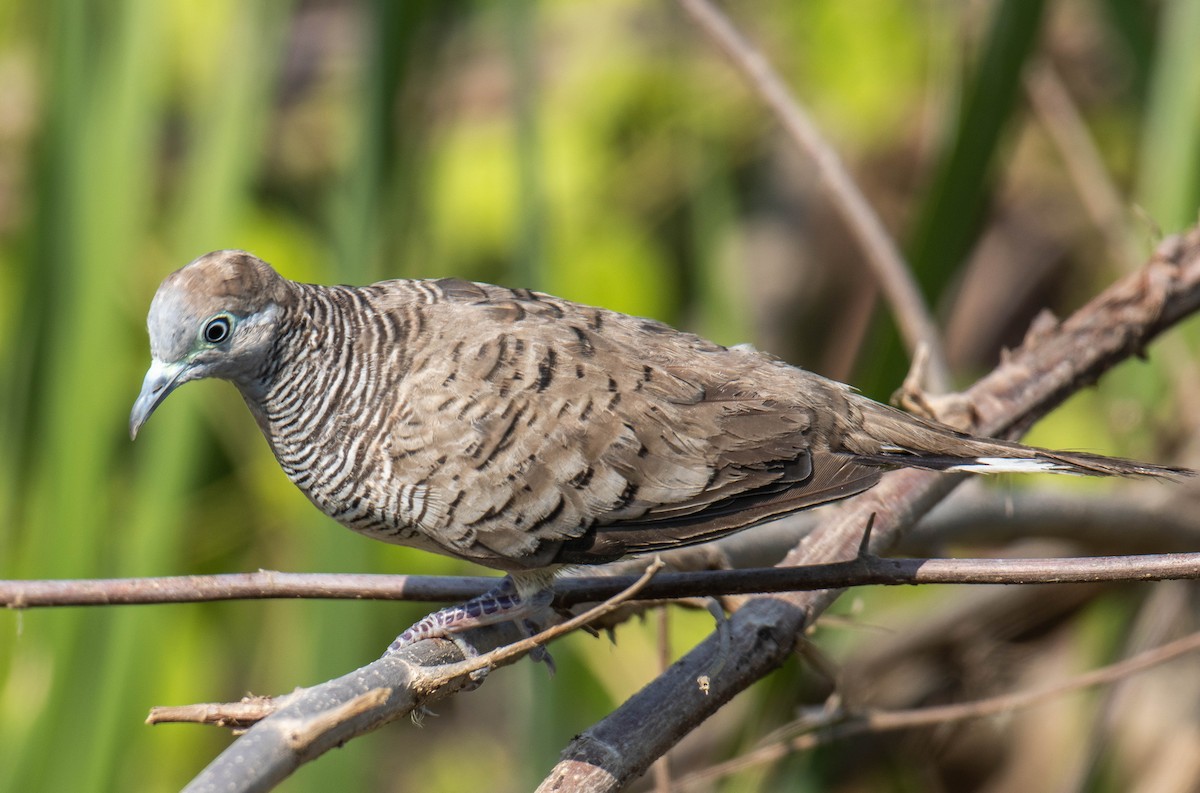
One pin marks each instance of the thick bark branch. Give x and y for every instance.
(1054, 361)
(311, 721)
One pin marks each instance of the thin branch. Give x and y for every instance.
(862, 571)
(893, 273)
(838, 725)
(235, 715)
(264, 584)
(251, 710)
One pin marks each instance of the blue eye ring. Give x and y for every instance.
(217, 329)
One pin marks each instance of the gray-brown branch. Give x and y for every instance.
(862, 571)
(1050, 365)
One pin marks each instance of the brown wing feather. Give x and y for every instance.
(596, 431)
(832, 478)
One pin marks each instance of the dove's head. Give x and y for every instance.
(216, 317)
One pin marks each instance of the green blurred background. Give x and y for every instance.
(597, 150)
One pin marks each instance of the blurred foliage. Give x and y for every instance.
(598, 150)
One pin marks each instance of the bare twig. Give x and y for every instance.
(861, 571)
(236, 715)
(895, 277)
(836, 726)
(239, 586)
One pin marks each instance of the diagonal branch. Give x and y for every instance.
(1048, 367)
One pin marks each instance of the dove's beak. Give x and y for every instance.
(161, 380)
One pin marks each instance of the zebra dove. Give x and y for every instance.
(526, 432)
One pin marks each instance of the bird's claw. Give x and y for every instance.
(500, 604)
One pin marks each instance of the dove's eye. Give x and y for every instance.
(217, 329)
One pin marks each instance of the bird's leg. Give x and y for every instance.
(502, 604)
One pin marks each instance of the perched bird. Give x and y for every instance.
(526, 432)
